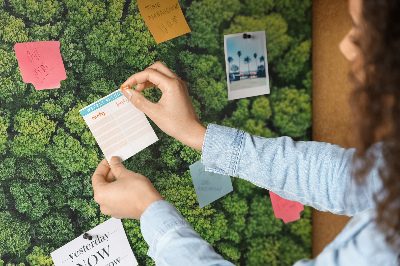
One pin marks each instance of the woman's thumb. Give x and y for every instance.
(138, 100)
(117, 167)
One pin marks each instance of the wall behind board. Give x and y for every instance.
(331, 89)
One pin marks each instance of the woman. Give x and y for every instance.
(317, 174)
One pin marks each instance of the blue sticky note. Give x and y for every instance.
(209, 186)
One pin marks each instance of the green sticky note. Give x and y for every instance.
(209, 186)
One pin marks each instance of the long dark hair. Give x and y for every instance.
(375, 103)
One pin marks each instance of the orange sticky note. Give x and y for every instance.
(284, 209)
(41, 63)
(164, 18)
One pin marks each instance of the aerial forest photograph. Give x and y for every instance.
(48, 153)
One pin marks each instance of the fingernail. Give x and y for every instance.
(128, 94)
(115, 160)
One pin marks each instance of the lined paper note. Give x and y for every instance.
(41, 64)
(118, 126)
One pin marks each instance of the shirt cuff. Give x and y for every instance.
(221, 150)
(158, 219)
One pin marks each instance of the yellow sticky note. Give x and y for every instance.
(164, 18)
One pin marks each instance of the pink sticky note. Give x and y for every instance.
(41, 64)
(284, 209)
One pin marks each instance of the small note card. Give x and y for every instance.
(287, 210)
(118, 126)
(209, 186)
(41, 64)
(164, 18)
(108, 246)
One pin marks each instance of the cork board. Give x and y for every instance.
(331, 88)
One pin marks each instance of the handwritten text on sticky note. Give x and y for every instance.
(209, 186)
(108, 246)
(41, 64)
(164, 18)
(284, 209)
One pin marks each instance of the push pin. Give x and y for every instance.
(88, 236)
(124, 88)
(246, 36)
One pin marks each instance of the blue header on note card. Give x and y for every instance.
(94, 106)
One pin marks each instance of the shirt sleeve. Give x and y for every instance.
(359, 243)
(172, 240)
(313, 173)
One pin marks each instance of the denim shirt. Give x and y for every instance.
(312, 173)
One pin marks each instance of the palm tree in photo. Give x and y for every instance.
(239, 54)
(255, 58)
(262, 59)
(247, 60)
(230, 60)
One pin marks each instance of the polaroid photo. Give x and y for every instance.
(246, 64)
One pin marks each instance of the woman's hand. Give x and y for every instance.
(128, 196)
(173, 113)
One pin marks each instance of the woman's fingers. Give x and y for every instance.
(128, 197)
(143, 86)
(110, 177)
(158, 79)
(140, 102)
(100, 174)
(174, 112)
(160, 67)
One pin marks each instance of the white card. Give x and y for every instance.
(108, 247)
(118, 126)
